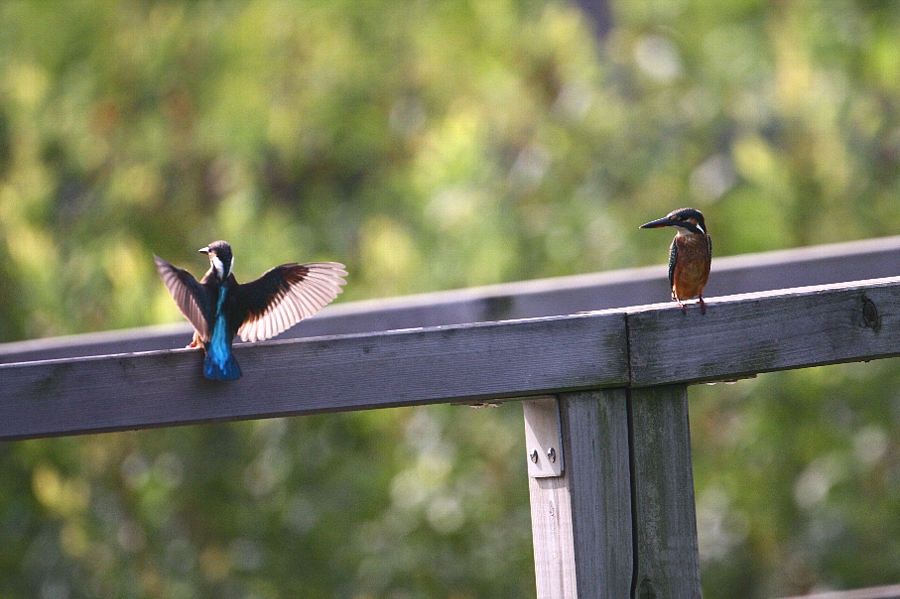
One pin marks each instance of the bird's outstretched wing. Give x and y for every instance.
(285, 295)
(189, 295)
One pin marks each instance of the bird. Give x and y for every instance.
(690, 255)
(219, 307)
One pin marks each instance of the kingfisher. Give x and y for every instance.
(219, 307)
(689, 256)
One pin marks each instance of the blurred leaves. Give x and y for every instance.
(798, 477)
(431, 145)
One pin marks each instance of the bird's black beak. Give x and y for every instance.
(661, 222)
(204, 250)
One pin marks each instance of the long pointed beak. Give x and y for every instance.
(660, 222)
(204, 250)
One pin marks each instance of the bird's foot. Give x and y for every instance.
(702, 305)
(683, 308)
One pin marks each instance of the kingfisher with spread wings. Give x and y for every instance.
(219, 307)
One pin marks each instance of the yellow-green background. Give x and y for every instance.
(431, 145)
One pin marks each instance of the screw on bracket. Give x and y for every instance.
(543, 439)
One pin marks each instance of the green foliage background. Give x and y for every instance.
(431, 145)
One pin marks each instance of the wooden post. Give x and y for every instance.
(667, 557)
(581, 520)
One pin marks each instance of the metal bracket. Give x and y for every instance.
(543, 440)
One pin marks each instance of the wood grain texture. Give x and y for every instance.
(881, 592)
(355, 372)
(665, 522)
(746, 334)
(581, 521)
(553, 536)
(816, 265)
(739, 336)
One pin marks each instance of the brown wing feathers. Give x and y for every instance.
(285, 295)
(189, 295)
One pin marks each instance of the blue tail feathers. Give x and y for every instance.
(220, 364)
(226, 369)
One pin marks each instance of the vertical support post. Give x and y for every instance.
(581, 520)
(666, 552)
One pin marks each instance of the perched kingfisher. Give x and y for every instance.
(220, 308)
(689, 256)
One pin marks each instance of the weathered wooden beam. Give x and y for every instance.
(816, 265)
(665, 522)
(882, 592)
(442, 364)
(738, 336)
(581, 521)
(744, 335)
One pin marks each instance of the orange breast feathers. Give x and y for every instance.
(691, 268)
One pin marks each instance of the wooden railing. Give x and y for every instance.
(604, 386)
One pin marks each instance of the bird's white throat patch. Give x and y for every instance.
(220, 266)
(683, 231)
